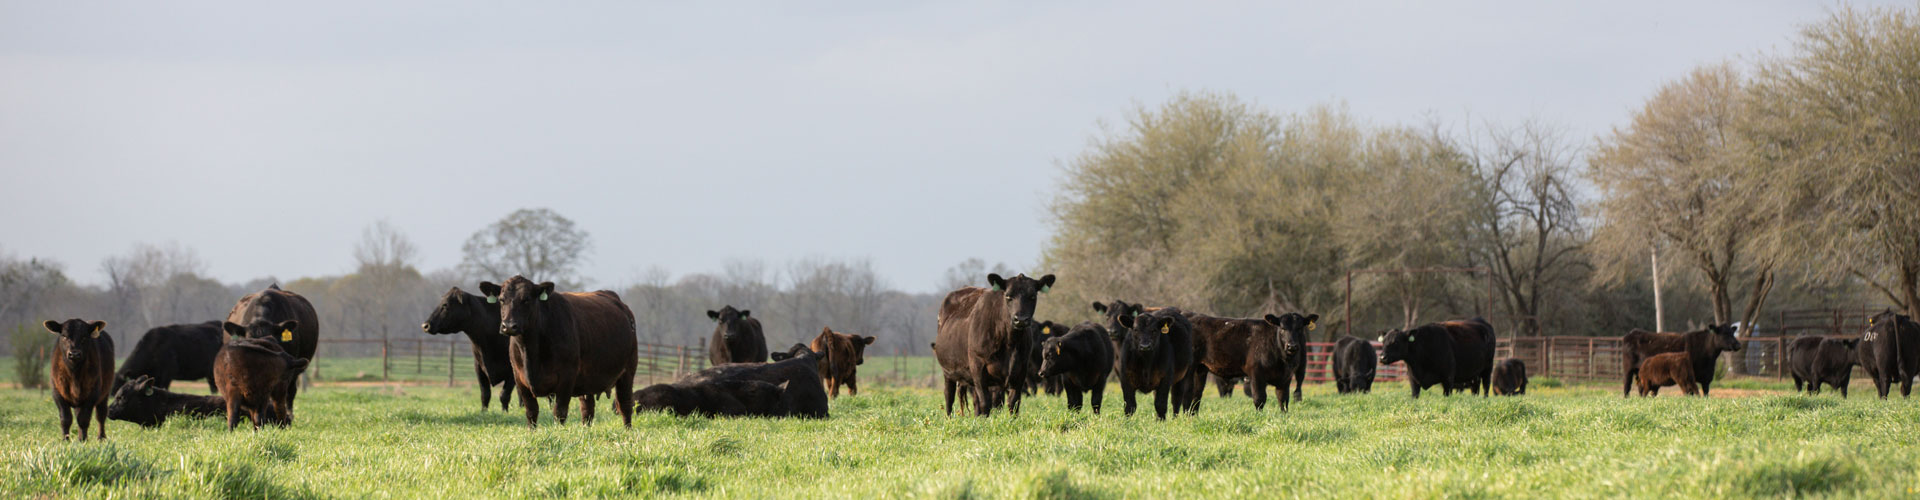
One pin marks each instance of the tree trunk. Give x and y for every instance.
(1762, 286)
(1910, 287)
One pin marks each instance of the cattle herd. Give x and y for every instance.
(535, 341)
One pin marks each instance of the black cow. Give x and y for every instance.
(737, 337)
(1702, 346)
(274, 305)
(1354, 363)
(1115, 332)
(173, 352)
(1079, 360)
(1260, 349)
(1510, 377)
(721, 398)
(1816, 360)
(1890, 352)
(983, 343)
(1453, 354)
(82, 373)
(479, 318)
(143, 402)
(1047, 330)
(567, 344)
(798, 369)
(1155, 356)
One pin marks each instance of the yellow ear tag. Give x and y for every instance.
(286, 335)
(96, 332)
(1165, 328)
(1311, 326)
(1056, 349)
(1046, 330)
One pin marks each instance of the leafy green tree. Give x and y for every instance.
(534, 242)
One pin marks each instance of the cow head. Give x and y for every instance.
(1886, 323)
(732, 323)
(522, 304)
(456, 308)
(134, 402)
(1149, 332)
(1723, 338)
(1114, 312)
(792, 352)
(1022, 294)
(1292, 326)
(79, 335)
(663, 397)
(281, 332)
(1396, 345)
(1041, 332)
(1055, 359)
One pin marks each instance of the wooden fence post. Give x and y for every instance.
(1589, 357)
(383, 360)
(450, 345)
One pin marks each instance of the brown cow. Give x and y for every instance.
(567, 344)
(1259, 349)
(1673, 368)
(274, 306)
(252, 368)
(844, 353)
(983, 340)
(1510, 377)
(1702, 347)
(82, 373)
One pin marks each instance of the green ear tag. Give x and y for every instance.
(1410, 338)
(543, 296)
(492, 299)
(1044, 289)
(149, 391)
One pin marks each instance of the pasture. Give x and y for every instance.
(1571, 441)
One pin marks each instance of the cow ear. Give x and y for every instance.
(1099, 308)
(99, 326)
(783, 385)
(1046, 283)
(713, 315)
(1136, 309)
(1126, 321)
(492, 291)
(233, 329)
(745, 313)
(52, 326)
(998, 283)
(1275, 321)
(868, 340)
(289, 325)
(1312, 320)
(545, 288)
(148, 391)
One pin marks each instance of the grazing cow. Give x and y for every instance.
(1702, 346)
(1080, 360)
(252, 368)
(1354, 363)
(983, 340)
(1890, 352)
(1815, 360)
(567, 344)
(479, 319)
(843, 354)
(724, 398)
(82, 373)
(1260, 349)
(1155, 356)
(173, 352)
(1673, 368)
(143, 402)
(1453, 354)
(798, 369)
(1510, 377)
(274, 305)
(737, 337)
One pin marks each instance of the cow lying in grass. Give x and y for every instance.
(711, 398)
(139, 401)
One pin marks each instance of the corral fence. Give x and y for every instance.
(450, 360)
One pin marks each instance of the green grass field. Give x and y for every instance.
(425, 441)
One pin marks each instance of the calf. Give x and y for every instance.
(1354, 363)
(1453, 354)
(737, 337)
(1157, 355)
(842, 356)
(1673, 368)
(250, 371)
(798, 369)
(1702, 347)
(1079, 360)
(479, 319)
(274, 305)
(982, 340)
(172, 352)
(1822, 360)
(82, 373)
(1051, 385)
(1510, 377)
(710, 398)
(1890, 352)
(1260, 349)
(143, 402)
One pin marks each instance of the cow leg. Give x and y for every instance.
(1842, 386)
(1906, 384)
(982, 395)
(833, 387)
(1224, 385)
(66, 420)
(948, 383)
(1127, 395)
(587, 409)
(1013, 401)
(293, 391)
(211, 388)
(560, 404)
(506, 395)
(1073, 399)
(1628, 386)
(1259, 387)
(1299, 386)
(85, 412)
(1813, 388)
(1704, 387)
(486, 387)
(529, 403)
(1098, 390)
(853, 386)
(100, 413)
(1160, 400)
(1797, 386)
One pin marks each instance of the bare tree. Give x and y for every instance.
(1528, 227)
(383, 246)
(534, 242)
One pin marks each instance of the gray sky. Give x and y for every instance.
(267, 136)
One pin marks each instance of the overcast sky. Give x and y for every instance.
(684, 134)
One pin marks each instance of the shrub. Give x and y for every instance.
(32, 354)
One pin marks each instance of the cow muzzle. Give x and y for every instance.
(426, 328)
(509, 329)
(1022, 323)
